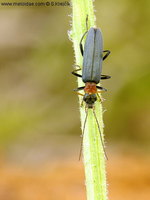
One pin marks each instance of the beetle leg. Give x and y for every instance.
(106, 55)
(101, 99)
(87, 22)
(105, 76)
(81, 46)
(78, 75)
(76, 70)
(80, 94)
(79, 88)
(101, 89)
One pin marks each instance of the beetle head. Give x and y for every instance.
(89, 99)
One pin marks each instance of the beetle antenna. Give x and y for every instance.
(87, 22)
(81, 146)
(100, 134)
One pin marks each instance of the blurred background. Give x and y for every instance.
(39, 113)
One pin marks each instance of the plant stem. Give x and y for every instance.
(93, 154)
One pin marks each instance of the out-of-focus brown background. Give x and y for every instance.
(39, 114)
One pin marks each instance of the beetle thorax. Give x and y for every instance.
(90, 88)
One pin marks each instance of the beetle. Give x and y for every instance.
(91, 72)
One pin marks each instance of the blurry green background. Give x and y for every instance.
(39, 113)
